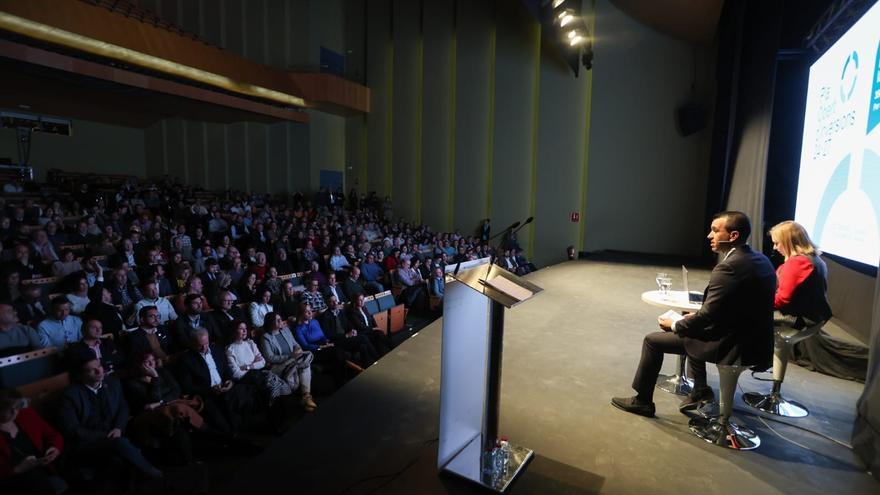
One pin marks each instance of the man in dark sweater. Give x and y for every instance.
(92, 418)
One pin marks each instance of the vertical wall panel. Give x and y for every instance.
(191, 16)
(236, 148)
(277, 157)
(657, 164)
(355, 153)
(254, 20)
(300, 154)
(153, 153)
(195, 157)
(212, 13)
(277, 34)
(560, 159)
(379, 69)
(514, 124)
(327, 144)
(298, 12)
(258, 164)
(436, 113)
(233, 26)
(175, 148)
(472, 114)
(406, 122)
(215, 143)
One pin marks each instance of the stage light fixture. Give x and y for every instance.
(576, 40)
(565, 19)
(557, 3)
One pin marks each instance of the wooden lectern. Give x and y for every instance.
(470, 390)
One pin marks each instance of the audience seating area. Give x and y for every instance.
(111, 248)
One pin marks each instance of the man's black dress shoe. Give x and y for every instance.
(634, 405)
(695, 399)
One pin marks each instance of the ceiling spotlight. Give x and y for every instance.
(572, 33)
(575, 40)
(557, 3)
(565, 19)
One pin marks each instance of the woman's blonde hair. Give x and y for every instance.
(793, 239)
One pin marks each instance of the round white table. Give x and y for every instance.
(678, 383)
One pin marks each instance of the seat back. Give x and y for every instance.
(42, 394)
(382, 321)
(371, 305)
(398, 318)
(385, 300)
(28, 367)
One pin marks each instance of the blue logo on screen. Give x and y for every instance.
(874, 98)
(848, 76)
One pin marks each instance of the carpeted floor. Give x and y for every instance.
(567, 352)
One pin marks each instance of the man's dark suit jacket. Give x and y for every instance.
(343, 298)
(221, 321)
(335, 327)
(109, 315)
(181, 329)
(736, 319)
(357, 321)
(80, 411)
(136, 343)
(28, 313)
(193, 374)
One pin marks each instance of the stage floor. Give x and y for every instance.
(567, 352)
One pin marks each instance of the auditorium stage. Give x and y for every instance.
(567, 352)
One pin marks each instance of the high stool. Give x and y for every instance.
(722, 431)
(679, 383)
(784, 338)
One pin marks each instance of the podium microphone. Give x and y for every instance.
(508, 229)
(528, 221)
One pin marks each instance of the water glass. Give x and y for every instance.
(660, 277)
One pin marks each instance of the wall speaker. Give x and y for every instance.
(690, 118)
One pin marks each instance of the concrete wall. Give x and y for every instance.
(474, 115)
(92, 147)
(286, 34)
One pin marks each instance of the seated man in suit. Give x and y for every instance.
(92, 418)
(32, 306)
(149, 337)
(334, 290)
(338, 329)
(93, 344)
(353, 285)
(203, 370)
(734, 325)
(194, 318)
(226, 311)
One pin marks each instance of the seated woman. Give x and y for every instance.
(79, 298)
(287, 359)
(311, 337)
(28, 449)
(801, 280)
(162, 418)
(261, 307)
(249, 365)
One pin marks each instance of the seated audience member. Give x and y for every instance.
(226, 310)
(193, 286)
(353, 285)
(162, 418)
(408, 279)
(60, 327)
(210, 279)
(247, 288)
(22, 264)
(79, 298)
(29, 447)
(194, 317)
(522, 262)
(287, 303)
(802, 281)
(15, 338)
(287, 359)
(31, 306)
(92, 344)
(340, 332)
(272, 282)
(93, 417)
(362, 321)
(150, 290)
(282, 263)
(66, 265)
(125, 294)
(10, 284)
(103, 309)
(314, 273)
(334, 290)
(203, 370)
(157, 273)
(249, 365)
(338, 261)
(149, 336)
(437, 286)
(313, 297)
(733, 326)
(373, 275)
(311, 337)
(259, 308)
